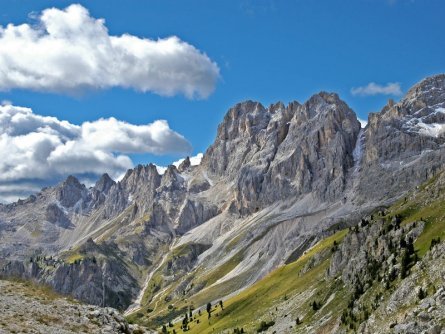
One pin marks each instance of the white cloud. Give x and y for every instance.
(69, 51)
(36, 150)
(194, 161)
(391, 88)
(161, 169)
(363, 122)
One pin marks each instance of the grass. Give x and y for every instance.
(285, 282)
(38, 291)
(36, 234)
(224, 269)
(422, 207)
(74, 257)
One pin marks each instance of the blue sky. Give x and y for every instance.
(265, 50)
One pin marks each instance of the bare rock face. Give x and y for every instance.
(101, 189)
(70, 192)
(96, 276)
(326, 130)
(55, 215)
(184, 165)
(138, 185)
(193, 214)
(104, 184)
(404, 142)
(285, 151)
(236, 141)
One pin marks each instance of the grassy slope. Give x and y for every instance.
(428, 205)
(156, 310)
(281, 284)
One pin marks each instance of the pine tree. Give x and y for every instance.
(209, 309)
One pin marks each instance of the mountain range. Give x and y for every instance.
(275, 185)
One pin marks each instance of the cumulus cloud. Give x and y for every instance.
(391, 88)
(69, 51)
(38, 150)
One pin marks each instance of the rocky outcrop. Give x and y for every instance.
(93, 275)
(138, 185)
(104, 184)
(186, 164)
(42, 311)
(55, 215)
(192, 214)
(417, 305)
(183, 260)
(70, 192)
(100, 190)
(377, 246)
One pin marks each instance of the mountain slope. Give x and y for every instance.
(355, 276)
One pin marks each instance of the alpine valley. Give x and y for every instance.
(297, 220)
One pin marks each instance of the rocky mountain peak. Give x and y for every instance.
(325, 102)
(72, 181)
(172, 178)
(184, 165)
(406, 138)
(70, 191)
(276, 107)
(140, 174)
(430, 90)
(244, 119)
(137, 186)
(104, 184)
(421, 111)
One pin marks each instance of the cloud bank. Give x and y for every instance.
(68, 51)
(391, 88)
(38, 150)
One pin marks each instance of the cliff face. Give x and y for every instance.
(280, 152)
(404, 143)
(274, 182)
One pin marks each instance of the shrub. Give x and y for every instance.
(421, 294)
(264, 326)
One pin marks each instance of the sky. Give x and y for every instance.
(99, 86)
